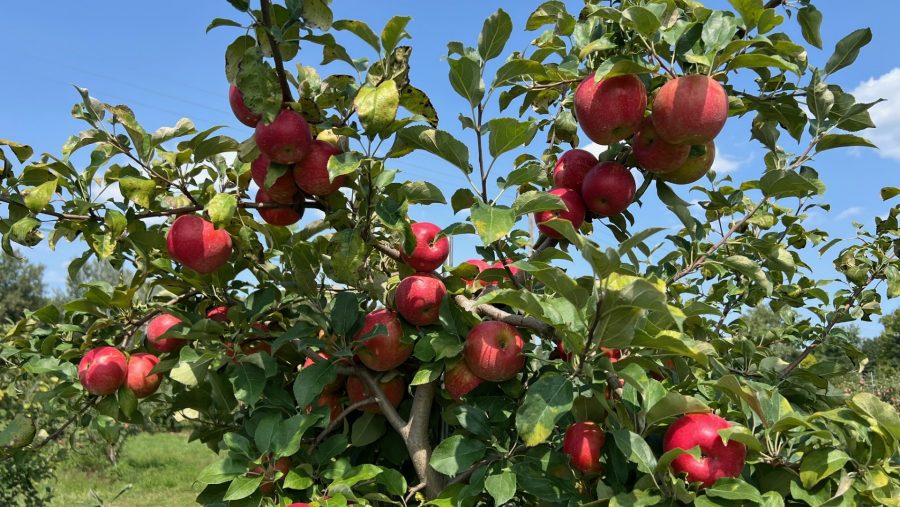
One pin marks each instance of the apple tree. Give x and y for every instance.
(345, 361)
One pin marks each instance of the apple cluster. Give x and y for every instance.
(103, 370)
(674, 143)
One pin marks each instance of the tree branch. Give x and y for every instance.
(417, 442)
(497, 314)
(338, 420)
(265, 7)
(59, 431)
(61, 216)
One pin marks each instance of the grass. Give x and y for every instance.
(160, 467)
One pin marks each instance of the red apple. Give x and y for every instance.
(267, 486)
(248, 347)
(583, 443)
(611, 109)
(159, 326)
(512, 269)
(561, 351)
(311, 173)
(608, 189)
(384, 351)
(493, 351)
(338, 382)
(655, 154)
(613, 354)
(277, 216)
(428, 254)
(717, 459)
(102, 370)
(194, 242)
(418, 298)
(330, 400)
(284, 190)
(574, 212)
(459, 380)
(690, 110)
(218, 314)
(240, 109)
(394, 389)
(700, 160)
(138, 377)
(286, 140)
(571, 167)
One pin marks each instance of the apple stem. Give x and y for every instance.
(265, 7)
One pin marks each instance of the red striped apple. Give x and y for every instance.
(574, 212)
(493, 351)
(138, 377)
(583, 443)
(311, 173)
(386, 351)
(571, 167)
(240, 109)
(418, 298)
(608, 189)
(283, 190)
(654, 153)
(717, 459)
(286, 140)
(194, 242)
(690, 110)
(102, 370)
(611, 109)
(699, 161)
(459, 380)
(277, 216)
(394, 389)
(159, 326)
(428, 254)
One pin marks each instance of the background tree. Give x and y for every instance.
(21, 287)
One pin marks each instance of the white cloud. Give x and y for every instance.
(724, 163)
(850, 212)
(886, 115)
(594, 148)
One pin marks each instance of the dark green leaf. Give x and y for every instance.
(437, 142)
(847, 49)
(217, 22)
(242, 487)
(367, 429)
(810, 20)
(455, 454)
(635, 449)
(831, 141)
(465, 78)
(494, 34)
(361, 30)
(311, 379)
(643, 19)
(532, 202)
(508, 134)
(546, 401)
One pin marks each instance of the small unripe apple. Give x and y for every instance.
(493, 351)
(277, 216)
(386, 351)
(338, 382)
(284, 190)
(311, 173)
(583, 443)
(654, 153)
(611, 109)
(286, 140)
(571, 167)
(102, 370)
(240, 109)
(690, 110)
(394, 389)
(418, 298)
(608, 189)
(428, 254)
(138, 378)
(717, 459)
(574, 212)
(194, 242)
(699, 161)
(459, 380)
(157, 327)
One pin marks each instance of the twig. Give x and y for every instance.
(497, 314)
(265, 7)
(59, 431)
(61, 216)
(590, 335)
(338, 420)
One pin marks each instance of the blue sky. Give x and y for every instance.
(158, 60)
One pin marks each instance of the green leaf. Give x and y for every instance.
(242, 487)
(361, 30)
(889, 193)
(249, 382)
(532, 202)
(810, 20)
(317, 14)
(674, 404)
(781, 184)
(455, 454)
(501, 486)
(427, 373)
(38, 197)
(221, 471)
(288, 434)
(750, 269)
(516, 69)
(343, 163)
(221, 209)
(21, 151)
(18, 433)
(677, 343)
(436, 142)
(741, 434)
(494, 34)
(140, 191)
(393, 32)
(820, 464)
(735, 489)
(757, 60)
(877, 412)
(492, 222)
(847, 49)
(377, 107)
(423, 192)
(217, 22)
(311, 379)
(367, 429)
(831, 141)
(417, 102)
(620, 66)
(546, 401)
(508, 134)
(643, 19)
(635, 449)
(718, 30)
(465, 78)
(750, 10)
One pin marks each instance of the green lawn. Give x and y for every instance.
(160, 467)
